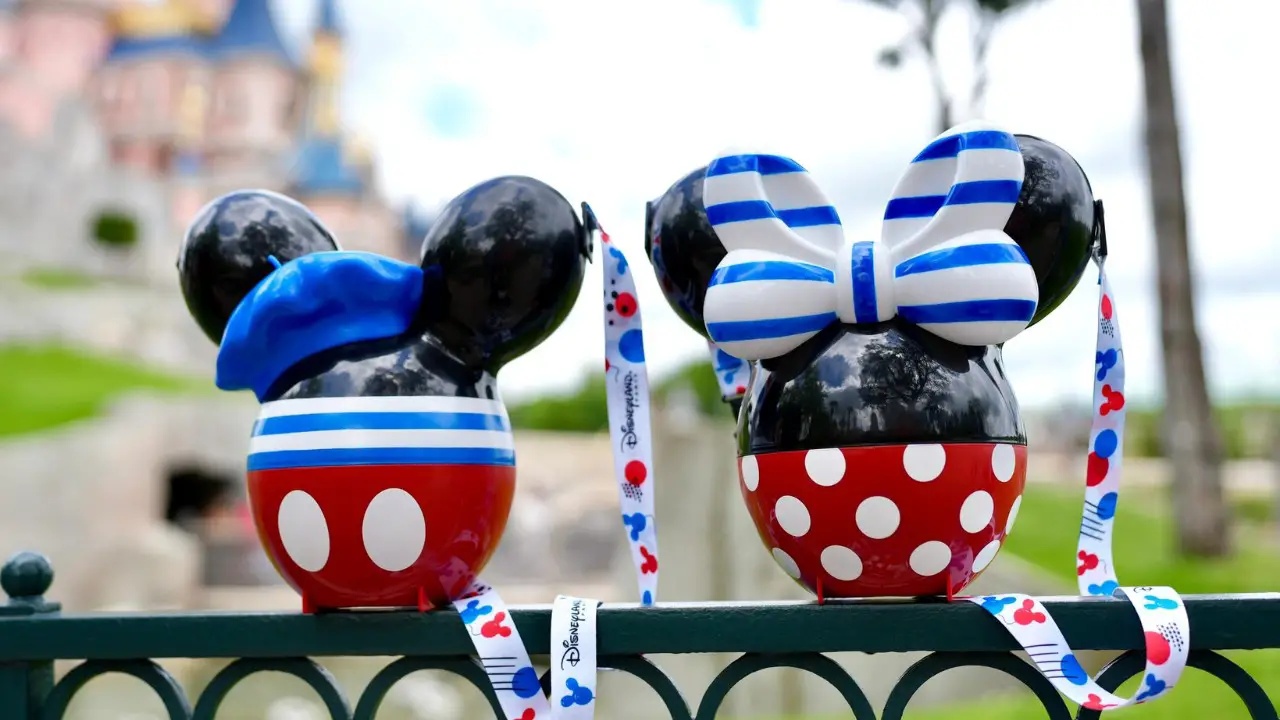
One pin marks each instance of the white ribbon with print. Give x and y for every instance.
(573, 658)
(1166, 630)
(627, 390)
(493, 634)
(732, 373)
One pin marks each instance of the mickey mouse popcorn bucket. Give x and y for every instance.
(381, 469)
(881, 450)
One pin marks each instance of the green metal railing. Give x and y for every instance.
(34, 633)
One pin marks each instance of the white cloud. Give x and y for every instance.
(611, 102)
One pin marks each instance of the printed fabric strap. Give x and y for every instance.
(731, 373)
(573, 658)
(627, 390)
(502, 655)
(1166, 631)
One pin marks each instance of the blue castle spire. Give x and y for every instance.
(251, 30)
(328, 19)
(321, 167)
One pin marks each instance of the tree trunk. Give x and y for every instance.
(1192, 439)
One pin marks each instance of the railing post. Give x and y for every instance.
(25, 579)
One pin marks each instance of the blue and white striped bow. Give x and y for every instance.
(942, 262)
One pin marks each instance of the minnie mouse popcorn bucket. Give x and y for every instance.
(881, 449)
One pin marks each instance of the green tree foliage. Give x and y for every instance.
(115, 230)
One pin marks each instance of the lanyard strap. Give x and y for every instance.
(573, 658)
(731, 373)
(502, 655)
(1165, 628)
(627, 391)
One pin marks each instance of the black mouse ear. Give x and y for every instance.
(236, 241)
(503, 266)
(683, 247)
(1056, 220)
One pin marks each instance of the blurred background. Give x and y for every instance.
(119, 119)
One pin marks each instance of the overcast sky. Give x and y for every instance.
(610, 102)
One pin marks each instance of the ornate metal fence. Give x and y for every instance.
(34, 633)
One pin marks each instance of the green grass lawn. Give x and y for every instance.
(1045, 535)
(44, 386)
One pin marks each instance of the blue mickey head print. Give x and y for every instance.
(636, 522)
(1107, 506)
(647, 598)
(1072, 671)
(1159, 603)
(631, 346)
(621, 259)
(525, 683)
(1105, 361)
(474, 611)
(1106, 589)
(1106, 444)
(1153, 687)
(577, 695)
(995, 605)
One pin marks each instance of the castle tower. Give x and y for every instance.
(61, 42)
(159, 58)
(189, 192)
(254, 95)
(324, 174)
(8, 38)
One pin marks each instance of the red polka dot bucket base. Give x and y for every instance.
(381, 536)
(888, 520)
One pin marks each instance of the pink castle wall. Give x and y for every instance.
(61, 44)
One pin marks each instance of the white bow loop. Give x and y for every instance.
(943, 262)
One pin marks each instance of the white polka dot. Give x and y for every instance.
(394, 530)
(825, 467)
(792, 515)
(975, 513)
(924, 462)
(841, 563)
(303, 531)
(985, 556)
(1002, 462)
(877, 517)
(930, 558)
(786, 563)
(750, 473)
(1013, 515)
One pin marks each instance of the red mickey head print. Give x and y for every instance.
(1096, 469)
(1027, 614)
(529, 714)
(1095, 703)
(1088, 561)
(650, 564)
(495, 628)
(1158, 649)
(1112, 400)
(1106, 307)
(741, 389)
(606, 365)
(625, 304)
(636, 472)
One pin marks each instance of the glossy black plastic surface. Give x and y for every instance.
(682, 247)
(504, 264)
(228, 247)
(1053, 221)
(414, 364)
(878, 384)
